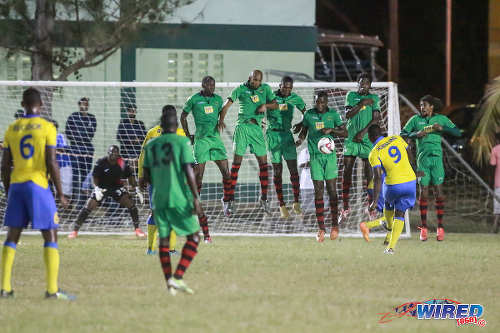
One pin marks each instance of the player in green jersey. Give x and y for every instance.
(362, 110)
(167, 167)
(205, 107)
(281, 144)
(427, 130)
(254, 98)
(318, 123)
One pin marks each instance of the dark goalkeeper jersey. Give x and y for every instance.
(110, 176)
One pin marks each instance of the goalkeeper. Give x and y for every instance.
(427, 130)
(107, 175)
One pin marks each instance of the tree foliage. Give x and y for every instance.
(64, 36)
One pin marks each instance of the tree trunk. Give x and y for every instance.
(41, 59)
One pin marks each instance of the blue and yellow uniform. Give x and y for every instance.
(154, 133)
(30, 198)
(399, 189)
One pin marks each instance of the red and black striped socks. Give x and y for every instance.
(278, 185)
(346, 186)
(204, 225)
(235, 168)
(334, 209)
(188, 253)
(294, 177)
(423, 212)
(264, 180)
(165, 261)
(320, 210)
(227, 189)
(440, 211)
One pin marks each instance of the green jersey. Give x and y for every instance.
(363, 117)
(281, 118)
(429, 144)
(206, 111)
(250, 99)
(165, 157)
(315, 122)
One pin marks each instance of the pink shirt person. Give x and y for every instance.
(495, 160)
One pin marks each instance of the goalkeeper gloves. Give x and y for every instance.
(98, 193)
(139, 194)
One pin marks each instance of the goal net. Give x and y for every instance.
(108, 102)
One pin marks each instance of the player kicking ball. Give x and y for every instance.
(29, 153)
(323, 122)
(389, 155)
(107, 175)
(167, 167)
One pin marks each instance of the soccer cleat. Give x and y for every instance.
(264, 204)
(440, 234)
(389, 251)
(207, 240)
(320, 237)
(60, 295)
(150, 252)
(139, 233)
(73, 234)
(6, 294)
(227, 207)
(179, 285)
(296, 208)
(284, 212)
(173, 253)
(344, 213)
(334, 233)
(365, 231)
(423, 233)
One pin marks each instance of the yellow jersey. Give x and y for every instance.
(152, 133)
(390, 154)
(27, 139)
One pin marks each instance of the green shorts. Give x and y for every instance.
(181, 220)
(249, 134)
(432, 167)
(209, 148)
(359, 149)
(324, 167)
(281, 144)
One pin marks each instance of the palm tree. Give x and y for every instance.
(484, 137)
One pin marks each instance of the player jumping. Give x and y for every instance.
(389, 155)
(255, 98)
(281, 143)
(321, 122)
(167, 167)
(107, 176)
(29, 153)
(427, 130)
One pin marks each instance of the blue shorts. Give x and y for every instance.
(400, 196)
(31, 202)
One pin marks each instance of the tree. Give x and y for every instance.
(64, 36)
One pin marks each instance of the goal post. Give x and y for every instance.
(108, 100)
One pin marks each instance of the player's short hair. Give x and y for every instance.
(286, 79)
(112, 147)
(83, 99)
(319, 94)
(168, 117)
(434, 101)
(31, 96)
(363, 75)
(374, 131)
(206, 79)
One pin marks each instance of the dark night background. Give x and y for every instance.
(422, 42)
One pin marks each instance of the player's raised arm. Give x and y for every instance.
(53, 169)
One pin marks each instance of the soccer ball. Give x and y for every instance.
(326, 145)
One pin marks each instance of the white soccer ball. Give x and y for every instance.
(326, 145)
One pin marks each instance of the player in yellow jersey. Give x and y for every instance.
(375, 221)
(153, 133)
(29, 154)
(389, 156)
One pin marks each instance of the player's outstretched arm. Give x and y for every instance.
(53, 168)
(6, 169)
(222, 115)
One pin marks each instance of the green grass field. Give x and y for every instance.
(254, 285)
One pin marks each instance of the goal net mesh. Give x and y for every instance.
(108, 103)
